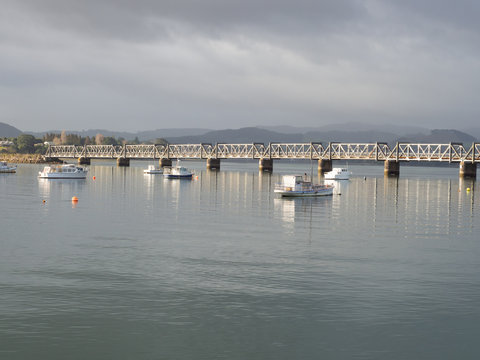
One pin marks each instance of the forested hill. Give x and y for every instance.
(8, 131)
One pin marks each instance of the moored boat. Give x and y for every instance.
(298, 186)
(338, 174)
(66, 171)
(5, 168)
(177, 172)
(152, 169)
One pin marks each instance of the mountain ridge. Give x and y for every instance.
(343, 132)
(8, 131)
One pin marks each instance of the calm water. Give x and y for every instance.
(219, 268)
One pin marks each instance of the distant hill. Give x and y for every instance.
(475, 132)
(261, 135)
(8, 130)
(398, 130)
(342, 132)
(239, 136)
(440, 136)
(165, 133)
(142, 135)
(350, 136)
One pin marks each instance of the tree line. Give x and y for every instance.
(29, 144)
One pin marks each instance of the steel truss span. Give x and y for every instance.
(452, 152)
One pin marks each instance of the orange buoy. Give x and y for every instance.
(74, 199)
(94, 178)
(44, 201)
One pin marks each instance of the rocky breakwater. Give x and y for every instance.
(25, 159)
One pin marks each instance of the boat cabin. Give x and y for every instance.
(292, 180)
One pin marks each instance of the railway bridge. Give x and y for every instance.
(392, 155)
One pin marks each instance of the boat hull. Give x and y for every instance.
(6, 169)
(308, 193)
(56, 176)
(173, 176)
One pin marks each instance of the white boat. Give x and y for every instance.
(66, 171)
(177, 172)
(298, 186)
(5, 168)
(152, 169)
(338, 174)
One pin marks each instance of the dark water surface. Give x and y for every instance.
(220, 268)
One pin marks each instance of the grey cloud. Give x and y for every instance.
(462, 15)
(238, 62)
(146, 19)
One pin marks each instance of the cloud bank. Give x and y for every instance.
(145, 64)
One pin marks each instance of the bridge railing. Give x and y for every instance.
(357, 151)
(473, 153)
(241, 151)
(189, 151)
(453, 152)
(295, 151)
(104, 151)
(65, 151)
(141, 151)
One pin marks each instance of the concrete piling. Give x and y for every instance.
(84, 161)
(123, 162)
(213, 164)
(164, 162)
(391, 168)
(468, 169)
(265, 164)
(324, 166)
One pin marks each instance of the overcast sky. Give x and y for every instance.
(135, 65)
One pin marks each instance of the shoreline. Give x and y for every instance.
(24, 159)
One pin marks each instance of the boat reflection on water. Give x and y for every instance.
(285, 209)
(294, 209)
(60, 189)
(176, 192)
(149, 183)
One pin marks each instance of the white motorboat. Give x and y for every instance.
(5, 168)
(338, 174)
(177, 172)
(298, 186)
(152, 169)
(67, 171)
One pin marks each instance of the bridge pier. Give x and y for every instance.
(164, 162)
(265, 164)
(468, 169)
(391, 168)
(324, 166)
(213, 164)
(84, 161)
(123, 162)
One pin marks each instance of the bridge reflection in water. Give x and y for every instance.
(392, 156)
(432, 207)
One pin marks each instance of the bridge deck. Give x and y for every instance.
(452, 152)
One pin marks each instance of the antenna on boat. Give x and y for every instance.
(311, 170)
